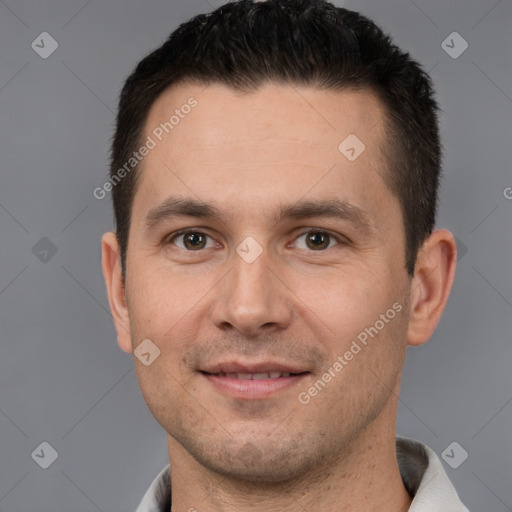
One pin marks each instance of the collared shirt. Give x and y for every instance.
(421, 470)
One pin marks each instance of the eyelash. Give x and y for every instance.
(168, 240)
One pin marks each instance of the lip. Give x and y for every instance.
(264, 366)
(252, 389)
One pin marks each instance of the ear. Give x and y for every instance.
(112, 272)
(431, 285)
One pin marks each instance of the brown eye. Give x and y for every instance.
(191, 240)
(316, 240)
(194, 241)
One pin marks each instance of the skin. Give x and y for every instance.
(250, 154)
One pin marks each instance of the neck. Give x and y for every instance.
(365, 477)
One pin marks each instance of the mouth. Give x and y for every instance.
(247, 384)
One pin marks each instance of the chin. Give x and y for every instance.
(257, 461)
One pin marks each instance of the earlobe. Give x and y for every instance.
(431, 285)
(112, 272)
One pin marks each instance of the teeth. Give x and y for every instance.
(254, 376)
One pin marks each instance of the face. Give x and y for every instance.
(267, 265)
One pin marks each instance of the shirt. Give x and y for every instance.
(422, 473)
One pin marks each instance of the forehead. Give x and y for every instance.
(299, 114)
(275, 144)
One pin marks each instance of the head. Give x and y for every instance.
(303, 164)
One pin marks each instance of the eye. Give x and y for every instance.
(190, 240)
(316, 240)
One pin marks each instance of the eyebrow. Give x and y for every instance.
(174, 207)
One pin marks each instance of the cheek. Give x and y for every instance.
(167, 309)
(159, 298)
(345, 302)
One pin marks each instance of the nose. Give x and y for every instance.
(251, 298)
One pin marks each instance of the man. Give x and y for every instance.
(274, 175)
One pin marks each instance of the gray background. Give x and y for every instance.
(63, 378)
